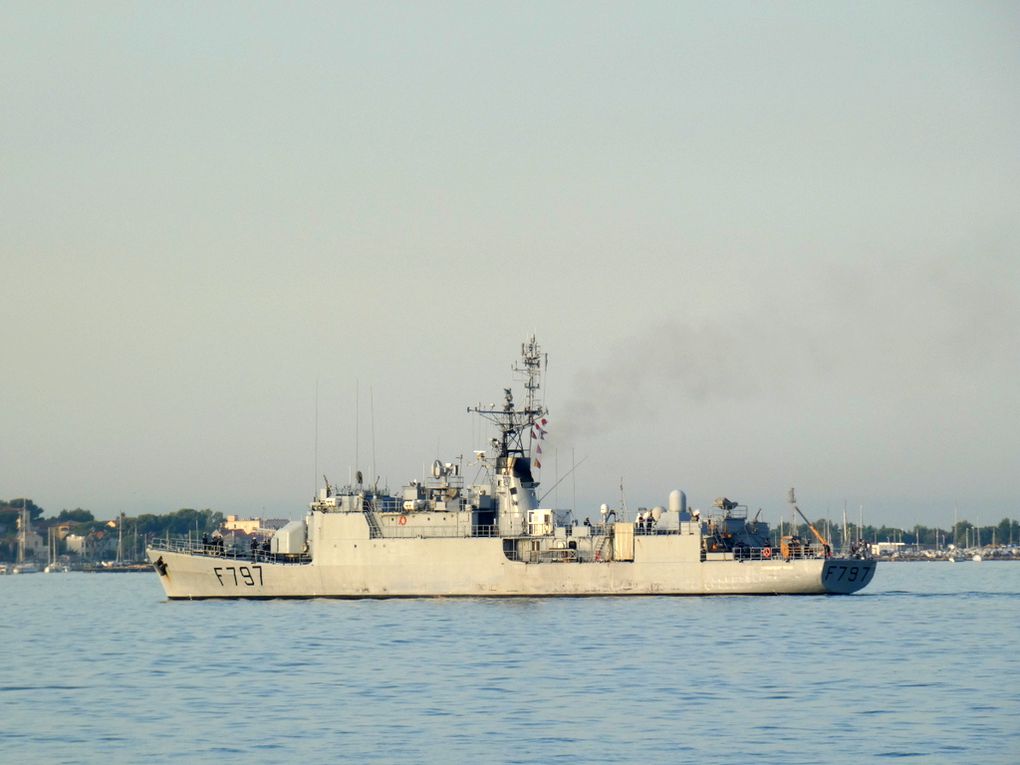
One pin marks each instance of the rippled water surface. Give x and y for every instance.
(923, 666)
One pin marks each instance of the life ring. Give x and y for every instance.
(403, 520)
(766, 552)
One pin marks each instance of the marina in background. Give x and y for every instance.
(83, 543)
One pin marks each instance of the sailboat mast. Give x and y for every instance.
(845, 546)
(23, 536)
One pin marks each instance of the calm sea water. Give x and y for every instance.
(923, 665)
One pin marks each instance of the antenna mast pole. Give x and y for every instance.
(357, 427)
(512, 422)
(315, 477)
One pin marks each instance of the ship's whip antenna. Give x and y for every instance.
(575, 467)
(357, 423)
(371, 405)
(315, 479)
(573, 462)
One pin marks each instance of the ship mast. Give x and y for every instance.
(515, 424)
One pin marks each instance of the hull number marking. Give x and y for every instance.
(850, 573)
(247, 578)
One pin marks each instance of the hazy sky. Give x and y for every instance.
(764, 244)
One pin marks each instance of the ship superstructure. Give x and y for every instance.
(443, 536)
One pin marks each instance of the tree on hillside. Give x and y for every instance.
(77, 516)
(1008, 532)
(14, 506)
(179, 523)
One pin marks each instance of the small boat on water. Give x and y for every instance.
(495, 537)
(54, 566)
(117, 567)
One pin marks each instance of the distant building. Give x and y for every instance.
(244, 525)
(887, 548)
(34, 543)
(96, 544)
(75, 543)
(31, 540)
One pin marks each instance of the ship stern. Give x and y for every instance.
(842, 576)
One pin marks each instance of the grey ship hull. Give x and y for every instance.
(387, 568)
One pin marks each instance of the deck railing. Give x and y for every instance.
(193, 547)
(775, 553)
(413, 531)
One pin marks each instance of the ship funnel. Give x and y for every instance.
(677, 501)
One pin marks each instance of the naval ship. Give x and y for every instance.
(496, 537)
